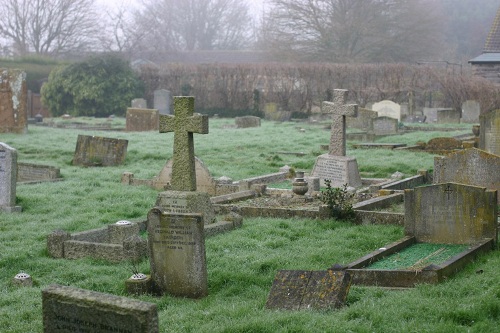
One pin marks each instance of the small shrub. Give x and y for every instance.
(338, 200)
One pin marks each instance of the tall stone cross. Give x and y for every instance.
(184, 123)
(339, 111)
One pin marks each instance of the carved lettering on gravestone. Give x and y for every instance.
(184, 123)
(177, 253)
(339, 110)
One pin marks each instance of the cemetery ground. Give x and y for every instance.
(242, 263)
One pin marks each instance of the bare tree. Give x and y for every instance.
(349, 30)
(49, 27)
(194, 24)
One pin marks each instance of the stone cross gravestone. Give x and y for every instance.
(67, 309)
(8, 178)
(451, 213)
(335, 166)
(161, 101)
(176, 239)
(13, 101)
(489, 135)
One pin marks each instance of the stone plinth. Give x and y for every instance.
(339, 170)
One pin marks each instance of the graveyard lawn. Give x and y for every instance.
(241, 264)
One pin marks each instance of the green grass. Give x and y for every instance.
(241, 264)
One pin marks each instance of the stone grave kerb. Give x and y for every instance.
(339, 111)
(184, 123)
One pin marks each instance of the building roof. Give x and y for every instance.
(492, 44)
(486, 58)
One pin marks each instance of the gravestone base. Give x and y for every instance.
(186, 202)
(13, 209)
(339, 170)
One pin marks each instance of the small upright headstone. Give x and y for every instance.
(388, 108)
(162, 101)
(8, 178)
(67, 309)
(176, 223)
(451, 213)
(385, 126)
(430, 114)
(336, 166)
(247, 121)
(448, 116)
(13, 101)
(141, 120)
(99, 151)
(489, 135)
(139, 103)
(470, 112)
(469, 167)
(363, 121)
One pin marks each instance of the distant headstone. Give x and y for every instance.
(388, 109)
(8, 178)
(451, 213)
(415, 119)
(142, 120)
(489, 136)
(335, 166)
(299, 290)
(470, 112)
(177, 253)
(385, 126)
(430, 114)
(13, 101)
(139, 103)
(99, 151)
(470, 167)
(363, 121)
(448, 116)
(162, 101)
(67, 309)
(247, 121)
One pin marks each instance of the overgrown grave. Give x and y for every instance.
(447, 215)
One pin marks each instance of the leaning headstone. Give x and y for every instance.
(67, 309)
(99, 151)
(451, 213)
(388, 109)
(336, 166)
(470, 112)
(448, 116)
(181, 211)
(489, 135)
(247, 121)
(139, 103)
(141, 120)
(470, 167)
(13, 101)
(385, 126)
(161, 101)
(299, 290)
(8, 178)
(177, 253)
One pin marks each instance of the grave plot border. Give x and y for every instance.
(432, 274)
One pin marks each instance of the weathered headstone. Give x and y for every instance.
(161, 101)
(67, 309)
(167, 220)
(298, 290)
(470, 167)
(448, 116)
(363, 121)
(335, 166)
(430, 114)
(247, 121)
(451, 213)
(141, 120)
(99, 151)
(388, 109)
(8, 178)
(385, 126)
(489, 136)
(139, 103)
(470, 112)
(177, 253)
(13, 101)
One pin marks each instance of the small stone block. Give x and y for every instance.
(119, 232)
(55, 243)
(139, 287)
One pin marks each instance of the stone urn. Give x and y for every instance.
(299, 185)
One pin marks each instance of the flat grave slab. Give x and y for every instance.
(379, 145)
